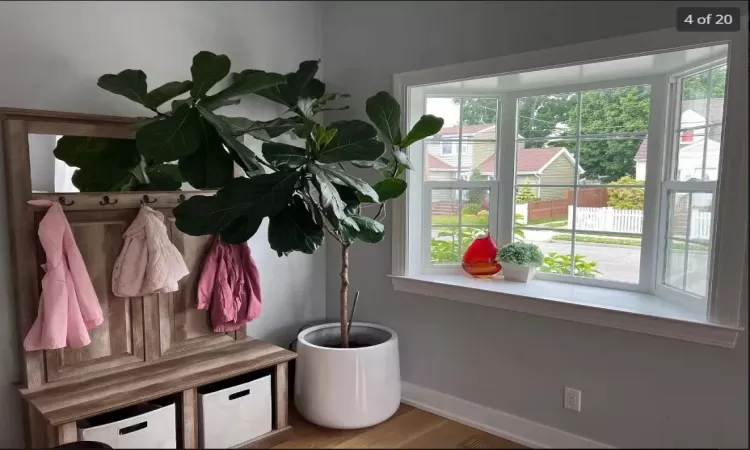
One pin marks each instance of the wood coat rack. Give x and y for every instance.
(148, 347)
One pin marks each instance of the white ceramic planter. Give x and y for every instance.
(347, 388)
(513, 272)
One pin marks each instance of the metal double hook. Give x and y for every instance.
(61, 199)
(145, 200)
(106, 201)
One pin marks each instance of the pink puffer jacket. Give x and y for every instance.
(229, 286)
(148, 263)
(68, 306)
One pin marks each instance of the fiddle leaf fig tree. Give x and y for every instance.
(307, 188)
(187, 141)
(310, 188)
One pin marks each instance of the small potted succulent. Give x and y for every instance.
(519, 261)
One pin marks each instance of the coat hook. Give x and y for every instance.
(146, 200)
(181, 198)
(61, 199)
(105, 201)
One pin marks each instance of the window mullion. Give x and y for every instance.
(506, 167)
(708, 120)
(577, 162)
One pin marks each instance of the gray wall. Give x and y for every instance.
(638, 390)
(52, 54)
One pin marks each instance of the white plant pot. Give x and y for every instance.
(514, 272)
(347, 388)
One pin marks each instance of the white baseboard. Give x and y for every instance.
(507, 426)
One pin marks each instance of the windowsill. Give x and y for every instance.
(632, 311)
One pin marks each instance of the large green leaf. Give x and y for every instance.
(385, 112)
(171, 138)
(349, 197)
(370, 230)
(297, 85)
(279, 154)
(201, 215)
(261, 196)
(243, 156)
(401, 158)
(177, 103)
(328, 198)
(241, 229)
(348, 230)
(162, 177)
(97, 153)
(166, 92)
(278, 93)
(390, 188)
(379, 164)
(210, 167)
(240, 153)
(129, 83)
(354, 141)
(97, 180)
(213, 106)
(293, 229)
(239, 125)
(426, 126)
(207, 70)
(339, 176)
(243, 85)
(299, 80)
(277, 127)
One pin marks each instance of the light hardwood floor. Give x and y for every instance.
(408, 428)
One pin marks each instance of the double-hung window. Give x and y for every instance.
(696, 109)
(611, 168)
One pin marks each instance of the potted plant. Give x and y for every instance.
(347, 374)
(519, 261)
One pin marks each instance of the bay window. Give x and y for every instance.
(610, 167)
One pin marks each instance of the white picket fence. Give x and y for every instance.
(631, 221)
(522, 210)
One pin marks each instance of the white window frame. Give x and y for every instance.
(502, 189)
(721, 324)
(670, 175)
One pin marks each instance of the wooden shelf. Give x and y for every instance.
(68, 402)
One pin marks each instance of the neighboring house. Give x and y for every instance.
(477, 144)
(551, 165)
(692, 142)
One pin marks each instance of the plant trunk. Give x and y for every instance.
(344, 311)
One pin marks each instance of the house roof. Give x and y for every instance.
(716, 108)
(467, 129)
(528, 160)
(640, 155)
(433, 162)
(715, 114)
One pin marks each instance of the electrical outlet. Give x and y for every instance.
(572, 399)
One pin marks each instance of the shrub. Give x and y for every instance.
(525, 195)
(559, 263)
(444, 247)
(520, 254)
(472, 208)
(631, 198)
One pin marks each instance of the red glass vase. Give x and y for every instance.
(479, 259)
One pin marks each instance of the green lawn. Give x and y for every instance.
(553, 222)
(466, 220)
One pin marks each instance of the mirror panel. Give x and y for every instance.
(70, 164)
